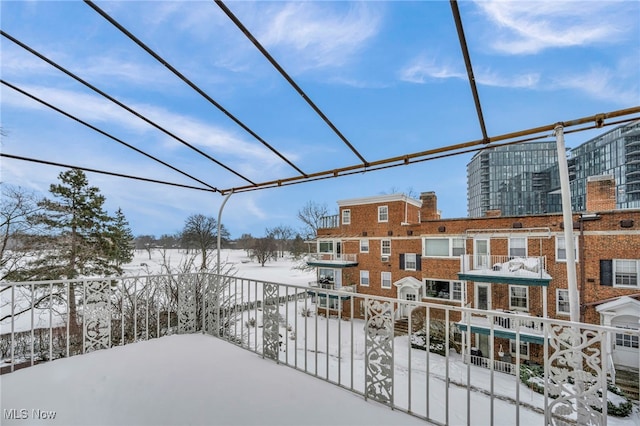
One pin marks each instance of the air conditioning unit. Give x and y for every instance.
(384, 258)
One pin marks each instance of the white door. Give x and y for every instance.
(625, 351)
(337, 276)
(409, 294)
(480, 253)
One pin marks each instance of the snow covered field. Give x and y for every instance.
(197, 379)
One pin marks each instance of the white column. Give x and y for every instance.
(567, 220)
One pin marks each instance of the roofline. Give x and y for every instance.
(379, 199)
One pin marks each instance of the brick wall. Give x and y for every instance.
(600, 237)
(601, 193)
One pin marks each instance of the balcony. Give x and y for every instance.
(332, 260)
(505, 324)
(504, 269)
(177, 314)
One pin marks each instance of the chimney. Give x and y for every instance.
(429, 209)
(493, 213)
(601, 193)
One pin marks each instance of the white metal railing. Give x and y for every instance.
(333, 257)
(327, 222)
(498, 366)
(356, 350)
(514, 266)
(522, 321)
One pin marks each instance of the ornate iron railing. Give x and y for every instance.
(360, 353)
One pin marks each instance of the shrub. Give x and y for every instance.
(533, 377)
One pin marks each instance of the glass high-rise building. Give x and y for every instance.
(524, 179)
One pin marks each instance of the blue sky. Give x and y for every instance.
(389, 75)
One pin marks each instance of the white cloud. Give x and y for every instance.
(318, 36)
(97, 111)
(528, 27)
(423, 70)
(598, 82)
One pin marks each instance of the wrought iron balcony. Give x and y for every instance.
(504, 269)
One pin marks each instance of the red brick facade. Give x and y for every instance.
(602, 236)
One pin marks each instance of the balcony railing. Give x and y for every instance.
(333, 258)
(504, 320)
(55, 319)
(522, 321)
(517, 267)
(328, 222)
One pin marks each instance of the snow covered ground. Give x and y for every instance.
(196, 379)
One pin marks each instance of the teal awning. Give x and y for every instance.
(505, 334)
(505, 279)
(331, 264)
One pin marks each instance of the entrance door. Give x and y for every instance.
(626, 351)
(483, 296)
(409, 296)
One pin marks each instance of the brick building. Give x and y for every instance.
(398, 247)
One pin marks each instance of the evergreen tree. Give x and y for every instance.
(80, 228)
(120, 241)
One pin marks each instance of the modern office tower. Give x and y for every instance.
(523, 179)
(515, 179)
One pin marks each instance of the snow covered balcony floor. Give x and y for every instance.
(177, 380)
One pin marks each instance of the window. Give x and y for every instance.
(443, 247)
(325, 247)
(385, 247)
(524, 348)
(627, 340)
(383, 214)
(386, 280)
(457, 246)
(518, 247)
(561, 249)
(409, 262)
(364, 246)
(626, 272)
(562, 302)
(346, 217)
(518, 297)
(326, 278)
(447, 290)
(334, 304)
(364, 278)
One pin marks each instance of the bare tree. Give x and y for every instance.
(410, 192)
(201, 233)
(311, 215)
(145, 242)
(282, 235)
(245, 242)
(264, 249)
(19, 239)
